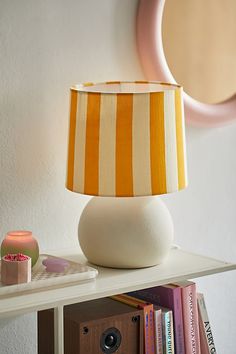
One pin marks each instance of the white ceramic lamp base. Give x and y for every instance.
(126, 232)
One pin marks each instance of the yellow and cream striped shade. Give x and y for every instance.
(126, 139)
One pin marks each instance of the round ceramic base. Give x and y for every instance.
(126, 232)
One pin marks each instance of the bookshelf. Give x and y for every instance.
(180, 265)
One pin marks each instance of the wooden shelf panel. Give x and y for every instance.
(179, 266)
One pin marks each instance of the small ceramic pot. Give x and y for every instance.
(15, 271)
(21, 242)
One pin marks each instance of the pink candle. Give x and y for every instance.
(20, 242)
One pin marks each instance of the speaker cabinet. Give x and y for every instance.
(94, 327)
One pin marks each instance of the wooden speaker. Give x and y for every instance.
(94, 327)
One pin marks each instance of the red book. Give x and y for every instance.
(148, 315)
(190, 317)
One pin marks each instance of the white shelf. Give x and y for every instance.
(180, 265)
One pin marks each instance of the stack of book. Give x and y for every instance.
(175, 319)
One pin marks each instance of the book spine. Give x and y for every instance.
(151, 330)
(158, 331)
(190, 317)
(178, 322)
(206, 338)
(147, 337)
(168, 337)
(148, 316)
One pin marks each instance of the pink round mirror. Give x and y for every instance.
(154, 62)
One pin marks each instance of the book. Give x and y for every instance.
(167, 331)
(206, 338)
(190, 317)
(158, 330)
(148, 315)
(168, 296)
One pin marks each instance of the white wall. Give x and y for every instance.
(45, 47)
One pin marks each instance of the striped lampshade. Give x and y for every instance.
(126, 139)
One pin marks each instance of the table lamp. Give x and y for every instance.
(126, 147)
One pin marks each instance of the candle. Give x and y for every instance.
(20, 242)
(15, 269)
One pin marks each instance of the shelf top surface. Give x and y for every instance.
(180, 265)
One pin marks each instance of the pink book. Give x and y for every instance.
(206, 338)
(158, 330)
(190, 317)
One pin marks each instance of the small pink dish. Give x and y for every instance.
(55, 265)
(15, 269)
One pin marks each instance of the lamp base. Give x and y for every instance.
(126, 232)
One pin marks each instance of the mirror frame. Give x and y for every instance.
(151, 53)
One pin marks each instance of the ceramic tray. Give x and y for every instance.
(40, 278)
